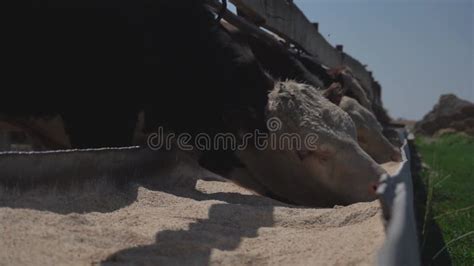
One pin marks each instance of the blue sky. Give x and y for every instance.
(417, 49)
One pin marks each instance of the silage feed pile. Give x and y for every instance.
(188, 223)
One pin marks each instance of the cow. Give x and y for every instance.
(352, 86)
(370, 135)
(335, 171)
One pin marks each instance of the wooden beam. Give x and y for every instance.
(243, 24)
(284, 18)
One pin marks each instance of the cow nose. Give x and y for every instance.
(373, 188)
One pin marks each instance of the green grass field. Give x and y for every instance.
(450, 188)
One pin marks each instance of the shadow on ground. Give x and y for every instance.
(235, 217)
(224, 230)
(103, 181)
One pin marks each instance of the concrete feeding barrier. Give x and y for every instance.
(64, 167)
(396, 196)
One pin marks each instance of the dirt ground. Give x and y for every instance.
(194, 223)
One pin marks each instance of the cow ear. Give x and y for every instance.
(334, 93)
